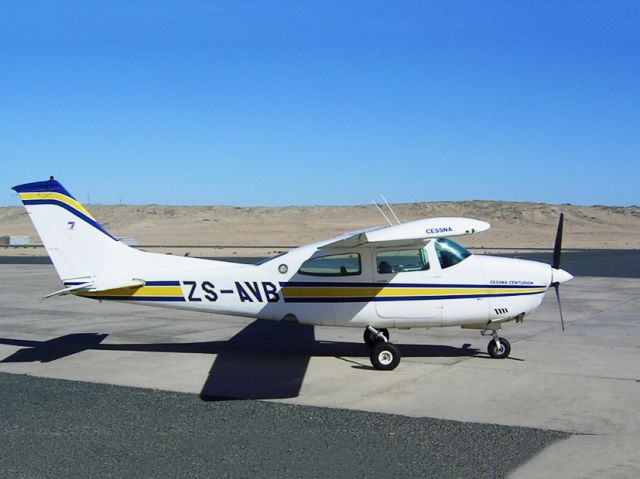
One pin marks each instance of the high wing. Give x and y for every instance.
(407, 234)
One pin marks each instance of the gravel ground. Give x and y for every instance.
(56, 428)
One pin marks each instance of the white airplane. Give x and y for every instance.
(408, 275)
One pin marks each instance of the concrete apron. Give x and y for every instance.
(584, 381)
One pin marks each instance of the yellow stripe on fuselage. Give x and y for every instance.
(328, 292)
(367, 291)
(155, 291)
(58, 197)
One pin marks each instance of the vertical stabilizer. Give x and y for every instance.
(79, 247)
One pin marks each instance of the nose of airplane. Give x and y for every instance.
(560, 276)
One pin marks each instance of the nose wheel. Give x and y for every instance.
(498, 348)
(385, 356)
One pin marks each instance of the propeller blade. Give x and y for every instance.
(557, 286)
(557, 249)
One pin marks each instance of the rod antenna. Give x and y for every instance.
(382, 212)
(390, 209)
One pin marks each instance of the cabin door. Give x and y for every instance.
(406, 287)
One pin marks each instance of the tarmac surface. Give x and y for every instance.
(448, 410)
(55, 428)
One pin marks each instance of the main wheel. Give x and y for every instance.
(499, 352)
(385, 356)
(371, 340)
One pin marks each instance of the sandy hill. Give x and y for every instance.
(517, 225)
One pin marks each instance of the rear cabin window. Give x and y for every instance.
(449, 253)
(333, 265)
(401, 261)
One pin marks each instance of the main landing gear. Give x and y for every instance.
(384, 356)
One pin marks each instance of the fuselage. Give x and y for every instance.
(422, 288)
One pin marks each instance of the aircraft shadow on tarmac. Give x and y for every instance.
(266, 360)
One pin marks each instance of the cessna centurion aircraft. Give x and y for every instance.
(408, 275)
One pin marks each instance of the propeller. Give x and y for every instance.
(557, 251)
(557, 248)
(557, 287)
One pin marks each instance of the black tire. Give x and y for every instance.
(385, 356)
(499, 353)
(369, 338)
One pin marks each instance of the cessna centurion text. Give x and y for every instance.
(407, 275)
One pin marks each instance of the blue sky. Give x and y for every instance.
(279, 103)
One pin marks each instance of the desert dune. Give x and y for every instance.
(268, 230)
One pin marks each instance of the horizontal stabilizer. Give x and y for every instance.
(93, 288)
(69, 290)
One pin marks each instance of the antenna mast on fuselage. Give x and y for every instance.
(390, 209)
(382, 212)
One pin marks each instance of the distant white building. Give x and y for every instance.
(15, 240)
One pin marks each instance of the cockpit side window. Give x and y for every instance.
(389, 262)
(332, 265)
(449, 253)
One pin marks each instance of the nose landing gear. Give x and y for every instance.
(385, 356)
(498, 348)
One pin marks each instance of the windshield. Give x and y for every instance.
(449, 253)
